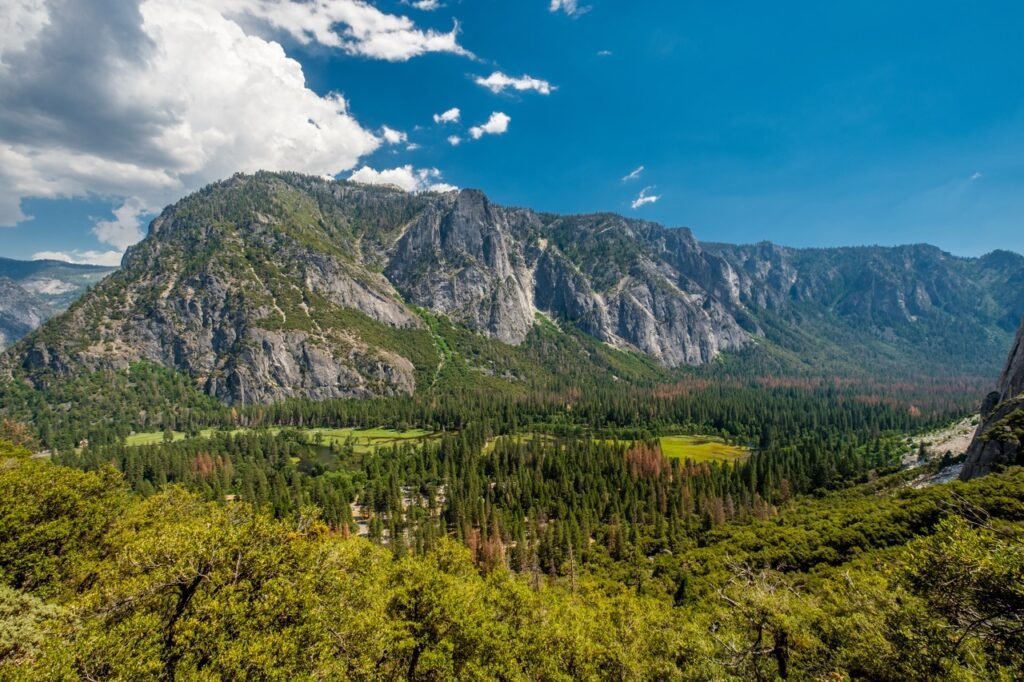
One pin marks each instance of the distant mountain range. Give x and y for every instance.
(269, 286)
(33, 291)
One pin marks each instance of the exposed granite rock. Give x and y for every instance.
(460, 258)
(999, 439)
(1011, 383)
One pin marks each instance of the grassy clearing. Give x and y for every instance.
(156, 437)
(701, 449)
(693, 448)
(362, 440)
(524, 437)
(366, 440)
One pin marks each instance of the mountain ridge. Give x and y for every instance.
(276, 285)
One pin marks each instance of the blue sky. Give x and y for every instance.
(803, 123)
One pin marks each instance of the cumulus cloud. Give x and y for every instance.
(451, 116)
(108, 258)
(141, 101)
(404, 177)
(498, 81)
(633, 175)
(392, 136)
(425, 5)
(570, 7)
(644, 198)
(124, 230)
(454, 140)
(354, 26)
(497, 124)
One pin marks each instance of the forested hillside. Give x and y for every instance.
(878, 582)
(320, 430)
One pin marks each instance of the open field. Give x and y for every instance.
(694, 448)
(524, 437)
(362, 440)
(701, 449)
(366, 440)
(155, 437)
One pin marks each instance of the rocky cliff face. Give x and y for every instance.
(999, 439)
(271, 286)
(494, 269)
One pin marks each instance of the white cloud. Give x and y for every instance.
(50, 173)
(425, 5)
(633, 175)
(604, 53)
(125, 229)
(108, 258)
(644, 198)
(498, 82)
(392, 136)
(451, 116)
(570, 7)
(977, 175)
(497, 124)
(152, 99)
(354, 26)
(454, 140)
(404, 177)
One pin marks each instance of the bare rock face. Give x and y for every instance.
(999, 439)
(493, 269)
(460, 258)
(1011, 383)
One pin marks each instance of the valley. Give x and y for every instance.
(550, 341)
(431, 436)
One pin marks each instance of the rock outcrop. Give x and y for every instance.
(999, 439)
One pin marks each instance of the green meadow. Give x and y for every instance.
(701, 449)
(361, 440)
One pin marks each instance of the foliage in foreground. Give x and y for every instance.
(96, 583)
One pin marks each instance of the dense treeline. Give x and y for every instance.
(280, 471)
(533, 501)
(738, 399)
(880, 582)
